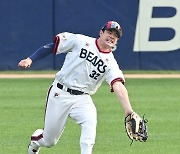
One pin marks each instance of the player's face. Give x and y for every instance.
(109, 38)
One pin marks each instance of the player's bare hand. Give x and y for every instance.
(25, 63)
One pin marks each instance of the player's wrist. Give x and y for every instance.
(128, 112)
(29, 60)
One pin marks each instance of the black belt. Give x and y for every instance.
(71, 91)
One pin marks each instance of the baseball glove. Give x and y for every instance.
(136, 127)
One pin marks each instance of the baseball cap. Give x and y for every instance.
(113, 25)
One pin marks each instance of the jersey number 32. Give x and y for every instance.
(94, 75)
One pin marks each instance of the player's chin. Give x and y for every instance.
(110, 45)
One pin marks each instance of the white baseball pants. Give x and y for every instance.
(60, 105)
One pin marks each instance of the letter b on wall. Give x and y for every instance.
(146, 22)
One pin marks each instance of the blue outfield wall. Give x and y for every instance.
(151, 33)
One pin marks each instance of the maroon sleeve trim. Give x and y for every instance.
(115, 80)
(56, 41)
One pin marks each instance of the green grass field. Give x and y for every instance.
(22, 103)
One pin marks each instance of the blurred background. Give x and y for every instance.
(151, 33)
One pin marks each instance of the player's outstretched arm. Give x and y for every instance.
(122, 95)
(39, 54)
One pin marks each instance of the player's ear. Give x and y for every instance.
(100, 33)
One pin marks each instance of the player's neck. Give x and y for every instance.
(102, 48)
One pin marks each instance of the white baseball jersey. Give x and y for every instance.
(85, 66)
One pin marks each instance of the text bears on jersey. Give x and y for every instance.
(95, 60)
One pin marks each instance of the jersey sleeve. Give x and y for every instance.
(114, 74)
(64, 42)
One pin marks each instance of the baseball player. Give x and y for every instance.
(89, 61)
